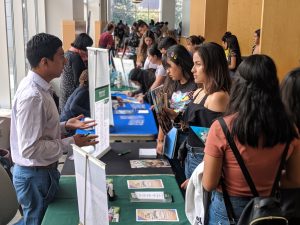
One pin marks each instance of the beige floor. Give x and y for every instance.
(18, 215)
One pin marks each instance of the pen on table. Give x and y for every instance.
(124, 153)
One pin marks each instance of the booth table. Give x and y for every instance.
(134, 126)
(64, 209)
(116, 164)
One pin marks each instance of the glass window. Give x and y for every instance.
(11, 46)
(25, 30)
(178, 12)
(130, 12)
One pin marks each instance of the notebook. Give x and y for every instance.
(170, 143)
(201, 133)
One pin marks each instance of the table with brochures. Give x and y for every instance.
(132, 122)
(64, 209)
(119, 164)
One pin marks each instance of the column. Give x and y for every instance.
(208, 18)
(244, 17)
(167, 12)
(280, 34)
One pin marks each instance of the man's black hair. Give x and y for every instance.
(42, 46)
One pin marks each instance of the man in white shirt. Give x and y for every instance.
(36, 143)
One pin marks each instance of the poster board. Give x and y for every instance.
(91, 188)
(100, 100)
(124, 66)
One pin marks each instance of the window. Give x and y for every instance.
(130, 12)
(11, 46)
(178, 12)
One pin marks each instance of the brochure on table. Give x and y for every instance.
(100, 100)
(91, 188)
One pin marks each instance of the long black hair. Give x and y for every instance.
(260, 117)
(154, 51)
(290, 94)
(145, 77)
(181, 57)
(233, 46)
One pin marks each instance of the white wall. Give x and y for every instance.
(78, 12)
(56, 12)
(93, 7)
(186, 18)
(167, 8)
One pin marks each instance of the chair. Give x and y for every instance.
(8, 198)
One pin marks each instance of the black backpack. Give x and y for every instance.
(259, 210)
(5, 161)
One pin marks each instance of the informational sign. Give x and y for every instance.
(91, 188)
(100, 100)
(123, 67)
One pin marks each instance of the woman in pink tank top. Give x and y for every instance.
(260, 126)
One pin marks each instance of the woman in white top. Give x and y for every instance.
(155, 57)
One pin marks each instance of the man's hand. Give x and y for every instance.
(82, 140)
(75, 123)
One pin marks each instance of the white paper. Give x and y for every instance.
(143, 111)
(151, 152)
(102, 128)
(150, 195)
(168, 215)
(143, 184)
(101, 109)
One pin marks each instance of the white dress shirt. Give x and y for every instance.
(35, 136)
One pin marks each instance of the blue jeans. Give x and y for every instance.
(217, 210)
(193, 159)
(35, 188)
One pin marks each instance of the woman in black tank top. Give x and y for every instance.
(209, 102)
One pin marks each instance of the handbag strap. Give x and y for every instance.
(238, 157)
(278, 175)
(228, 205)
(242, 164)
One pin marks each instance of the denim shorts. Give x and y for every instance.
(35, 188)
(193, 159)
(217, 210)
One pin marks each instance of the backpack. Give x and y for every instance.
(5, 161)
(259, 210)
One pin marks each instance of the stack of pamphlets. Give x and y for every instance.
(114, 214)
(150, 196)
(148, 153)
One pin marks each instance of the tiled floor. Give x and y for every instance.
(18, 215)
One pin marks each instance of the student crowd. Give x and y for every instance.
(263, 116)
